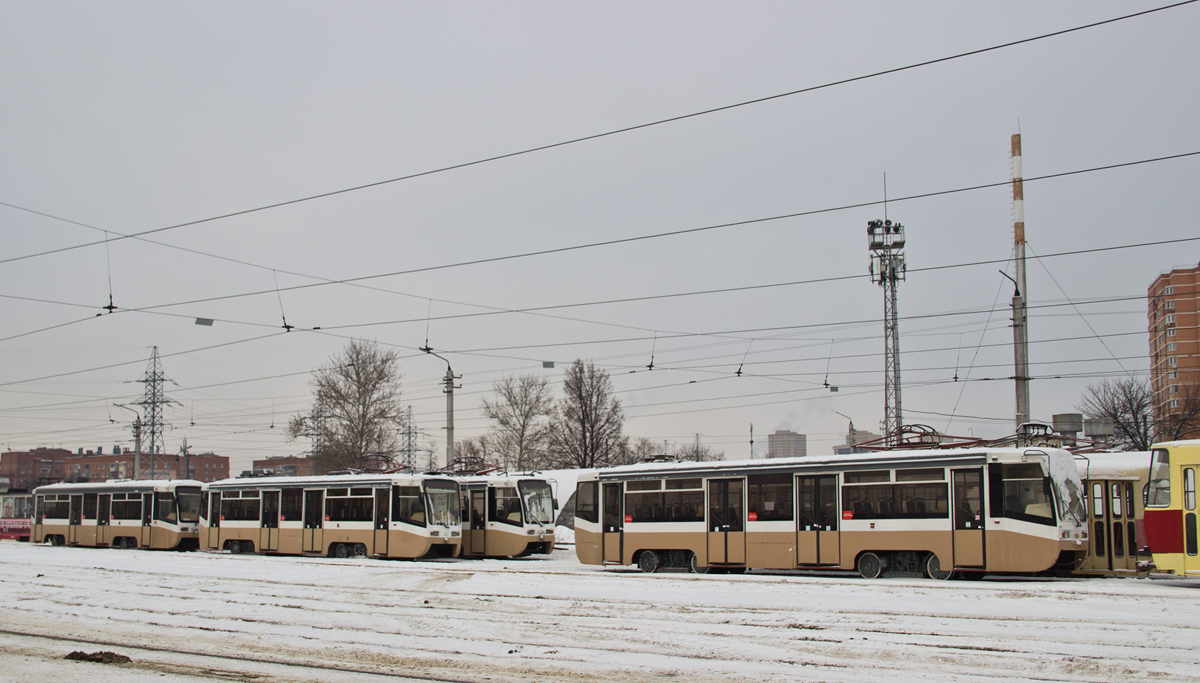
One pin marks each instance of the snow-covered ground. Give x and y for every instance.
(199, 616)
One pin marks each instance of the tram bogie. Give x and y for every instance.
(148, 514)
(937, 513)
(398, 516)
(507, 516)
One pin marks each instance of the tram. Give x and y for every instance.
(16, 515)
(1171, 507)
(1114, 495)
(940, 512)
(507, 516)
(402, 516)
(153, 514)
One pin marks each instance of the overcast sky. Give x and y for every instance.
(127, 117)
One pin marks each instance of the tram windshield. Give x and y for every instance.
(538, 500)
(443, 502)
(189, 503)
(1160, 478)
(1023, 492)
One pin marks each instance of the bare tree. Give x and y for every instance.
(1181, 421)
(1127, 402)
(640, 449)
(356, 407)
(473, 455)
(586, 429)
(521, 415)
(698, 452)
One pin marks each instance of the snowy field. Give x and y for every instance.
(199, 616)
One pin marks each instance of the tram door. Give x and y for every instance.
(147, 516)
(314, 521)
(968, 518)
(1191, 544)
(817, 540)
(382, 521)
(214, 520)
(75, 519)
(614, 523)
(268, 534)
(477, 522)
(103, 537)
(726, 521)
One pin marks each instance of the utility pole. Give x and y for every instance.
(885, 241)
(1021, 295)
(152, 404)
(137, 447)
(751, 440)
(449, 391)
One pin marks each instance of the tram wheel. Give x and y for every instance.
(235, 548)
(648, 561)
(694, 565)
(933, 569)
(870, 566)
(56, 540)
(341, 550)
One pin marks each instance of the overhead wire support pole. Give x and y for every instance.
(449, 391)
(885, 240)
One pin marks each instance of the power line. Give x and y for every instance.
(618, 131)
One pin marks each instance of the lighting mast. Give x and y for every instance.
(885, 240)
(1021, 295)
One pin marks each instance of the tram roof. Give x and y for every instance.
(362, 479)
(932, 457)
(118, 485)
(1135, 464)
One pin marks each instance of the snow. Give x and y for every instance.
(183, 615)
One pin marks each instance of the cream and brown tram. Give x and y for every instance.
(151, 514)
(401, 516)
(507, 516)
(940, 512)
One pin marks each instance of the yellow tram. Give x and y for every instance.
(1171, 507)
(152, 514)
(404, 516)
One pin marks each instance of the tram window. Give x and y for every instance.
(1160, 478)
(189, 503)
(921, 501)
(868, 502)
(645, 507)
(1189, 532)
(869, 477)
(685, 506)
(1118, 539)
(653, 485)
(348, 508)
(1097, 500)
(361, 492)
(685, 484)
(585, 501)
(504, 506)
(243, 508)
(408, 505)
(1145, 495)
(89, 506)
(1189, 489)
(1129, 509)
(1098, 539)
(769, 497)
(1020, 491)
(1116, 500)
(1132, 536)
(57, 509)
(338, 492)
(203, 503)
(921, 474)
(127, 509)
(291, 505)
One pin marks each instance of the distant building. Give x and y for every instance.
(208, 467)
(786, 444)
(98, 466)
(26, 470)
(1174, 346)
(286, 465)
(853, 438)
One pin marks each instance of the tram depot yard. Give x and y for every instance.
(216, 616)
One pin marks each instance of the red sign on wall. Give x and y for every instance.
(847, 514)
(753, 517)
(628, 518)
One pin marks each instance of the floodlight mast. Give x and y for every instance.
(885, 240)
(1021, 295)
